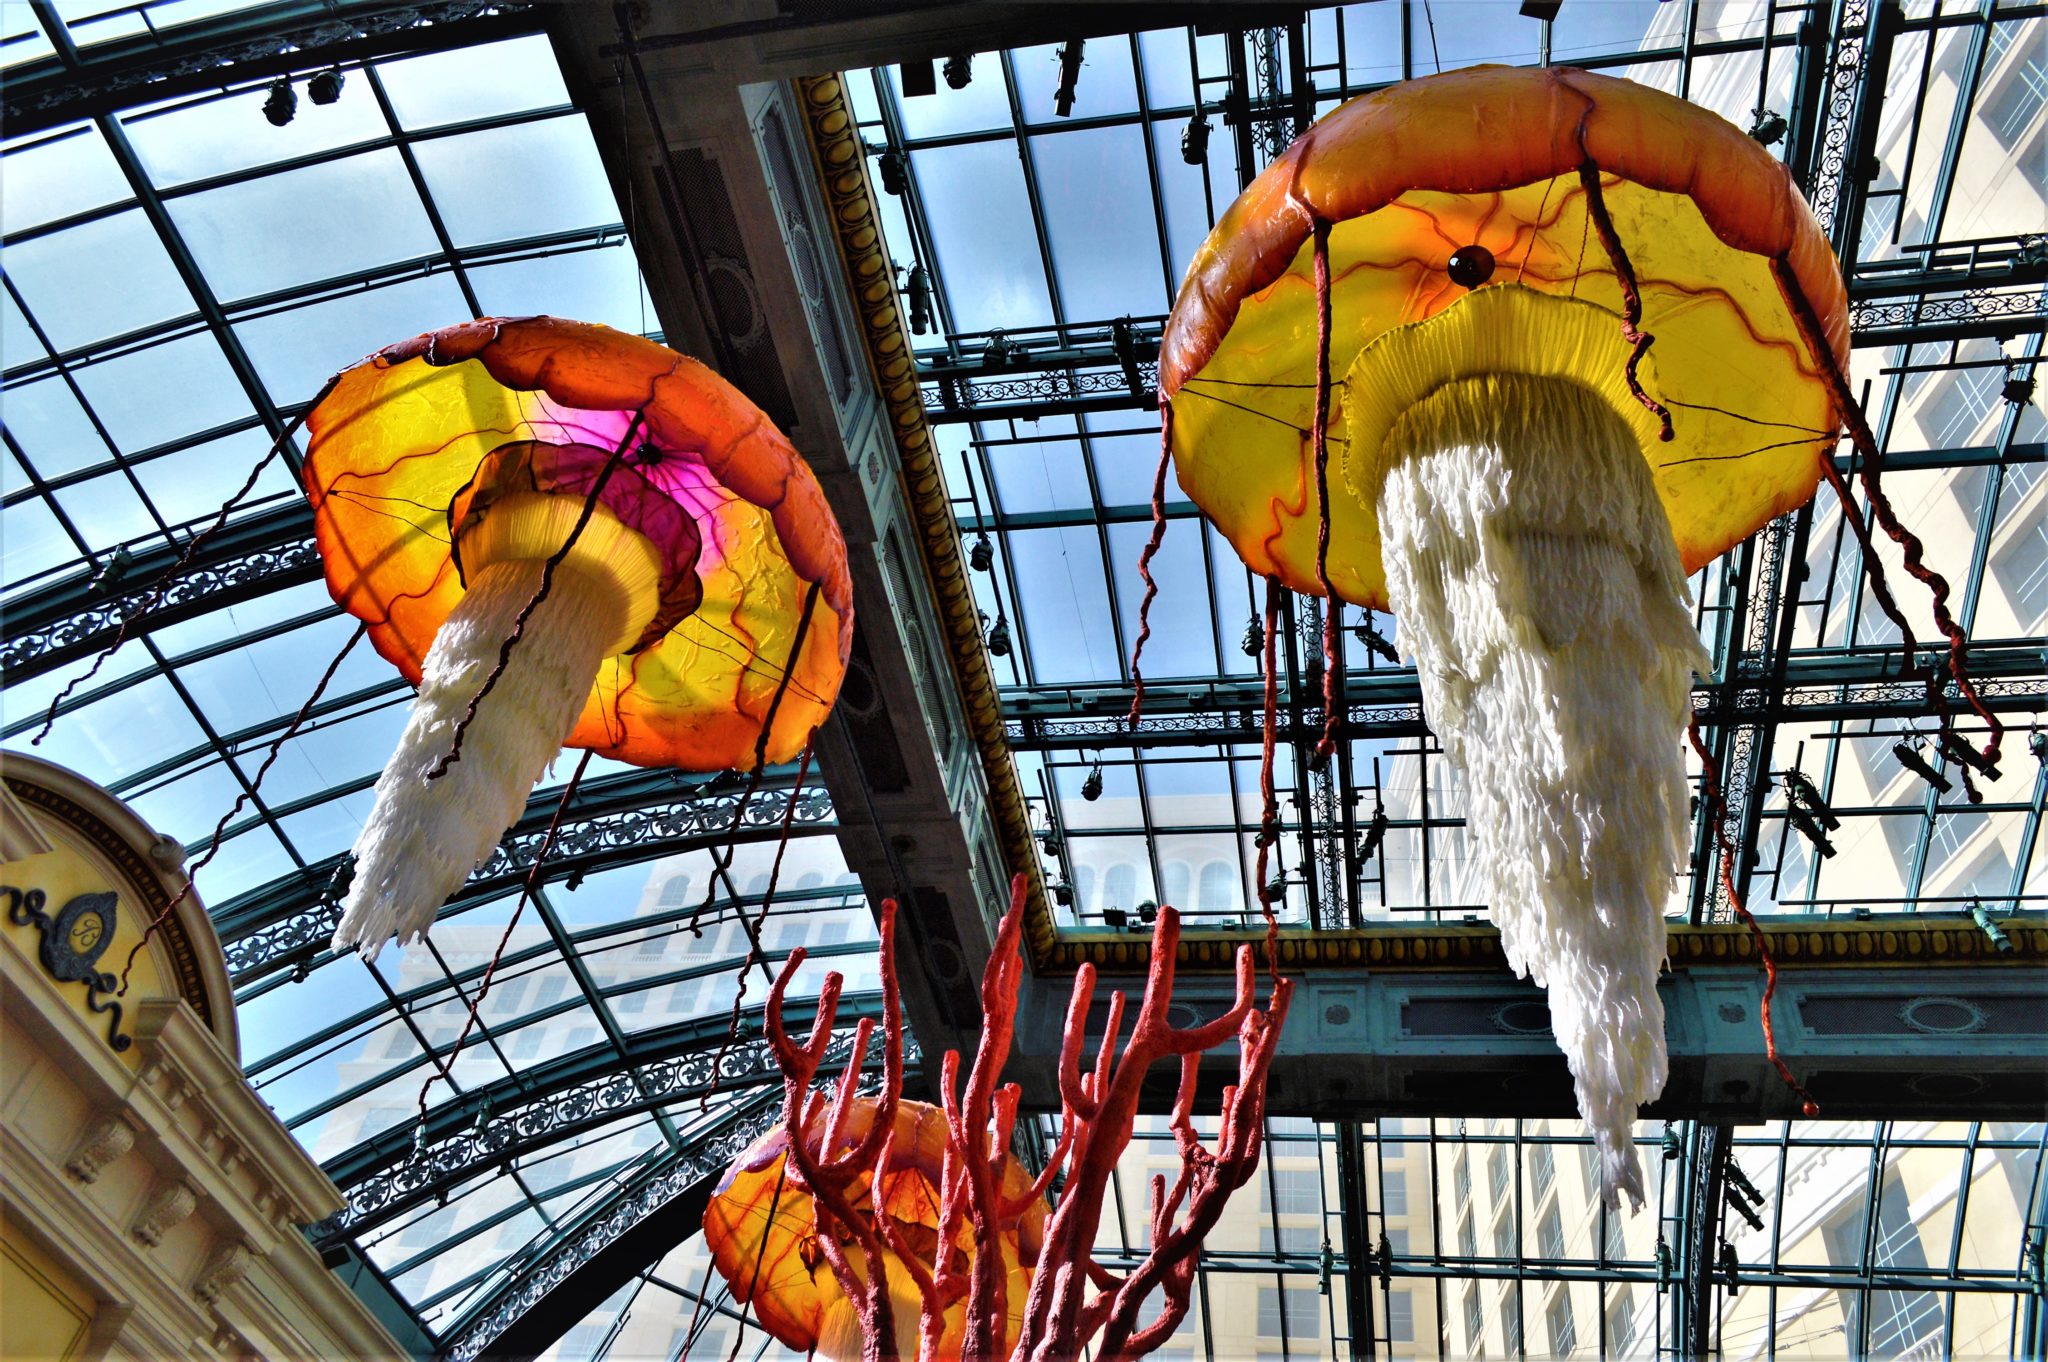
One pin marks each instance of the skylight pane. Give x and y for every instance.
(1065, 604)
(1187, 647)
(527, 180)
(164, 392)
(34, 542)
(474, 82)
(107, 511)
(59, 176)
(325, 221)
(1087, 180)
(1106, 84)
(983, 105)
(191, 484)
(18, 344)
(597, 285)
(975, 198)
(98, 279)
(297, 351)
(55, 434)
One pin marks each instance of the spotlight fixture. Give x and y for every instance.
(895, 178)
(959, 70)
(999, 638)
(1910, 758)
(1148, 912)
(1373, 639)
(1063, 895)
(1730, 1277)
(1743, 1187)
(1254, 638)
(1375, 833)
(1741, 1207)
(2037, 743)
(1194, 139)
(1070, 76)
(1114, 918)
(1993, 933)
(918, 78)
(1809, 829)
(113, 570)
(1672, 1148)
(2018, 389)
(1541, 9)
(1767, 127)
(1800, 791)
(1001, 351)
(981, 555)
(325, 86)
(1091, 788)
(920, 291)
(1385, 1254)
(1960, 748)
(281, 103)
(1054, 847)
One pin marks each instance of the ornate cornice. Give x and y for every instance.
(1806, 943)
(842, 172)
(141, 877)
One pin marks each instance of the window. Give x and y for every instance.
(1499, 1172)
(1475, 1323)
(550, 991)
(1504, 1235)
(526, 1045)
(1550, 1234)
(1511, 1321)
(832, 931)
(1219, 887)
(1461, 1178)
(1542, 1170)
(675, 892)
(635, 1001)
(505, 998)
(652, 945)
(1394, 1191)
(1563, 1338)
(1610, 1236)
(1294, 1191)
(1397, 1242)
(1401, 1316)
(2016, 94)
(1467, 1245)
(2020, 568)
(1300, 1306)
(1621, 1324)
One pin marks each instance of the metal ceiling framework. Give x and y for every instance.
(1943, 294)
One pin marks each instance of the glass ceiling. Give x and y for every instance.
(181, 276)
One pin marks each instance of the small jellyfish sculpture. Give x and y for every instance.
(862, 1214)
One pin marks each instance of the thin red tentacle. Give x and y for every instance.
(1333, 609)
(1725, 859)
(1269, 808)
(1145, 560)
(1631, 297)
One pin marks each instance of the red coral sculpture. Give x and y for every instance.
(968, 1264)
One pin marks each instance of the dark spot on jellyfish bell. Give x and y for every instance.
(1470, 266)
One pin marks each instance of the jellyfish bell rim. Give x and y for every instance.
(1520, 140)
(680, 407)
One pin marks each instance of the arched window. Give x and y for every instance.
(1120, 887)
(1220, 888)
(676, 892)
(1179, 878)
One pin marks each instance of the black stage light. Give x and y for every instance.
(918, 78)
(1541, 9)
(1768, 127)
(920, 291)
(959, 70)
(981, 555)
(999, 638)
(1254, 641)
(895, 178)
(1910, 758)
(1091, 788)
(1194, 140)
(325, 87)
(282, 102)
(1070, 76)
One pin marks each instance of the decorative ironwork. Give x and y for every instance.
(703, 1161)
(1975, 306)
(959, 392)
(29, 654)
(72, 944)
(652, 831)
(1831, 159)
(496, 1138)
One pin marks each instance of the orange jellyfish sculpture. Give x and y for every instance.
(1450, 291)
(862, 1213)
(563, 535)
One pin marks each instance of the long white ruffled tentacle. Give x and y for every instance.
(423, 837)
(1540, 593)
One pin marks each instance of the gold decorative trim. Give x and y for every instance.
(141, 876)
(1923, 941)
(842, 172)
